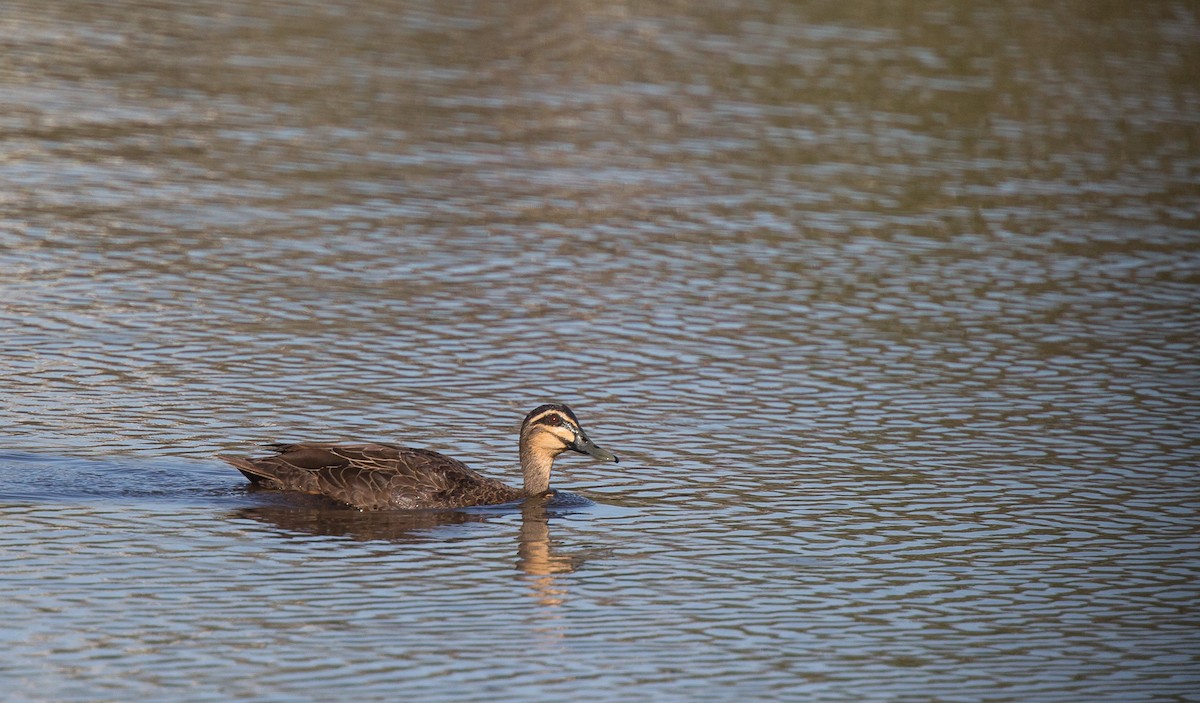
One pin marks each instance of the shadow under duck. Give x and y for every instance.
(390, 477)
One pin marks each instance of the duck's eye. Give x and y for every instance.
(552, 420)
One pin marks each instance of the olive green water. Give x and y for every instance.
(889, 310)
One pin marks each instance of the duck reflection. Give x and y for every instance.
(538, 557)
(410, 526)
(298, 514)
(537, 554)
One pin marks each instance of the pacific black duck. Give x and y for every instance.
(389, 477)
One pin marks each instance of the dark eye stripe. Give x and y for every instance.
(552, 420)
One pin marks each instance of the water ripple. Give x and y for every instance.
(891, 314)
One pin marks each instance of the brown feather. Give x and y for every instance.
(374, 476)
(388, 476)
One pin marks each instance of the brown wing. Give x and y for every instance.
(373, 476)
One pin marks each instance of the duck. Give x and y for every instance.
(380, 476)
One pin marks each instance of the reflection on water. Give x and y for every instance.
(536, 554)
(893, 307)
(331, 519)
(538, 557)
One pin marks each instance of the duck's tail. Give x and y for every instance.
(255, 473)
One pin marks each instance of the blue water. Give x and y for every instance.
(888, 311)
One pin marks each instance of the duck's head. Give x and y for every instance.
(552, 429)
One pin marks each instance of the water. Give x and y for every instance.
(889, 311)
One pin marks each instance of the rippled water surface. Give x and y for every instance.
(890, 311)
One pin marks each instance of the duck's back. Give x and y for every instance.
(374, 476)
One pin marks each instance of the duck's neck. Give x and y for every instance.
(536, 465)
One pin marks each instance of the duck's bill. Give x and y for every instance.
(583, 445)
